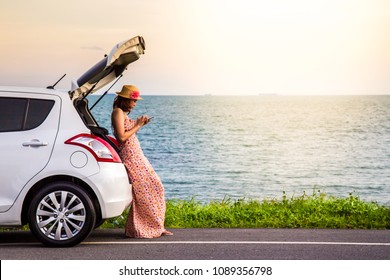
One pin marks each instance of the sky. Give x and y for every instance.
(197, 47)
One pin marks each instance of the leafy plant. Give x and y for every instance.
(317, 210)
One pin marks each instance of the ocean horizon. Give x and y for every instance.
(214, 147)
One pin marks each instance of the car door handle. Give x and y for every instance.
(35, 143)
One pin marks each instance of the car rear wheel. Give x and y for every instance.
(61, 214)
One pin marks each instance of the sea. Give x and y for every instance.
(215, 148)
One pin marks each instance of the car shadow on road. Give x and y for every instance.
(16, 236)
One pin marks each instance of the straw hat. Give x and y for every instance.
(129, 92)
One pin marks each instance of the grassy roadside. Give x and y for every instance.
(306, 211)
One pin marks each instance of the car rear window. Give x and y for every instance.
(23, 113)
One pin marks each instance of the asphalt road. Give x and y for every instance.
(209, 244)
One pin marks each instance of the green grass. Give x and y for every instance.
(306, 211)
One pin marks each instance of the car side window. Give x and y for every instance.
(12, 111)
(18, 114)
(38, 109)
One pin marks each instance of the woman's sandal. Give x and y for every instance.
(166, 233)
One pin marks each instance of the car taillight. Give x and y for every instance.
(113, 140)
(100, 149)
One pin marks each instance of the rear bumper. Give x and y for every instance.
(112, 189)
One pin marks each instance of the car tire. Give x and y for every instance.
(61, 214)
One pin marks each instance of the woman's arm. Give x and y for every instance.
(118, 119)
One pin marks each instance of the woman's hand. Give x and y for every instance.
(118, 118)
(141, 121)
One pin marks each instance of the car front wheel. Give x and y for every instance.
(61, 214)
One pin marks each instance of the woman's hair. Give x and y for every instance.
(122, 103)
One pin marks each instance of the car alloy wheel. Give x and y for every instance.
(61, 214)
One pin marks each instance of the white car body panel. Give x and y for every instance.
(19, 156)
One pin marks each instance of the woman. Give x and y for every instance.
(147, 213)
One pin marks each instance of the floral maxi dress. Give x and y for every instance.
(147, 212)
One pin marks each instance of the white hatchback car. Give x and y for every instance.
(59, 170)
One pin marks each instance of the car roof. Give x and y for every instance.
(33, 90)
